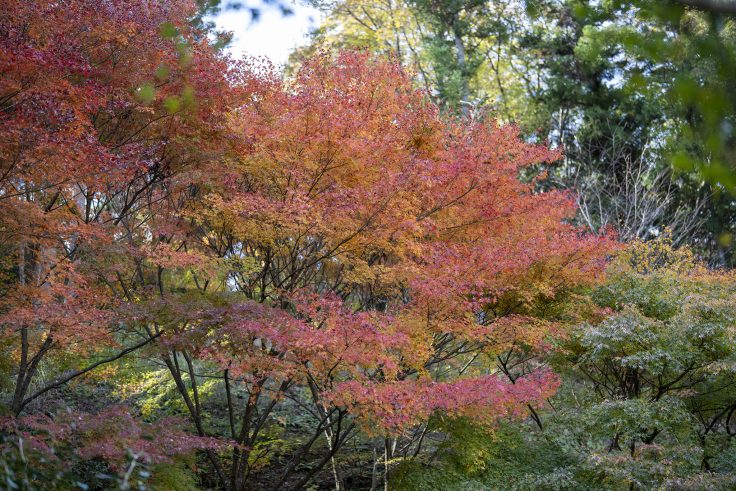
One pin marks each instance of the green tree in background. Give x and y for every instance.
(665, 66)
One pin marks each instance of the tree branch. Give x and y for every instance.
(58, 383)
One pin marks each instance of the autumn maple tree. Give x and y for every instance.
(372, 256)
(332, 242)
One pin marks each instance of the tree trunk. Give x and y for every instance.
(462, 66)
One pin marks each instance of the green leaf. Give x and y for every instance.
(168, 30)
(162, 72)
(172, 104)
(146, 93)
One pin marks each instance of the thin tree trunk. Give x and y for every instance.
(462, 66)
(374, 475)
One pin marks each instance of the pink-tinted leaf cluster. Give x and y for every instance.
(112, 435)
(393, 407)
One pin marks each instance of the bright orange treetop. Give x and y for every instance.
(382, 239)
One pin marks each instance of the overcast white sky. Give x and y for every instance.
(273, 34)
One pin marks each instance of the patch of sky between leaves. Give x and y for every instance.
(267, 28)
